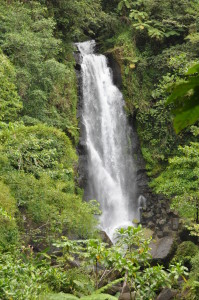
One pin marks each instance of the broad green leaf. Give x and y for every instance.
(120, 5)
(186, 118)
(127, 4)
(193, 70)
(182, 89)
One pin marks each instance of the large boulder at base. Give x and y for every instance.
(167, 294)
(162, 248)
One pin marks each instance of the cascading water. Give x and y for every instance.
(110, 163)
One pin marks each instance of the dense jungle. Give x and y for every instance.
(51, 246)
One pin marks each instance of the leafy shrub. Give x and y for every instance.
(8, 226)
(46, 83)
(48, 210)
(38, 163)
(193, 282)
(129, 256)
(19, 280)
(38, 148)
(10, 102)
(74, 281)
(195, 266)
(180, 180)
(185, 252)
(62, 296)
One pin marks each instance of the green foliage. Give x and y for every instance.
(193, 282)
(79, 19)
(46, 85)
(180, 180)
(185, 249)
(38, 165)
(195, 265)
(10, 103)
(39, 149)
(62, 296)
(69, 280)
(154, 49)
(8, 226)
(123, 49)
(19, 280)
(159, 22)
(124, 4)
(185, 252)
(141, 71)
(192, 227)
(129, 256)
(49, 207)
(154, 43)
(156, 124)
(185, 97)
(159, 139)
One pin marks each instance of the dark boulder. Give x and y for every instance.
(162, 248)
(167, 294)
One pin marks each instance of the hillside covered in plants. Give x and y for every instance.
(50, 245)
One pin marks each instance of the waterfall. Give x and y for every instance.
(108, 141)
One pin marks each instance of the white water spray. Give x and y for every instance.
(111, 168)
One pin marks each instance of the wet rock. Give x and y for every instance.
(160, 234)
(148, 215)
(74, 263)
(82, 147)
(78, 60)
(168, 210)
(105, 238)
(78, 67)
(169, 222)
(162, 222)
(175, 213)
(125, 289)
(151, 225)
(167, 294)
(116, 71)
(162, 248)
(141, 184)
(126, 296)
(175, 224)
(166, 230)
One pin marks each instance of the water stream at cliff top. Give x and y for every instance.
(110, 162)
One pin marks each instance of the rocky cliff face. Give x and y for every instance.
(155, 212)
(81, 148)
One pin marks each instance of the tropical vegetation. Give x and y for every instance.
(49, 243)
